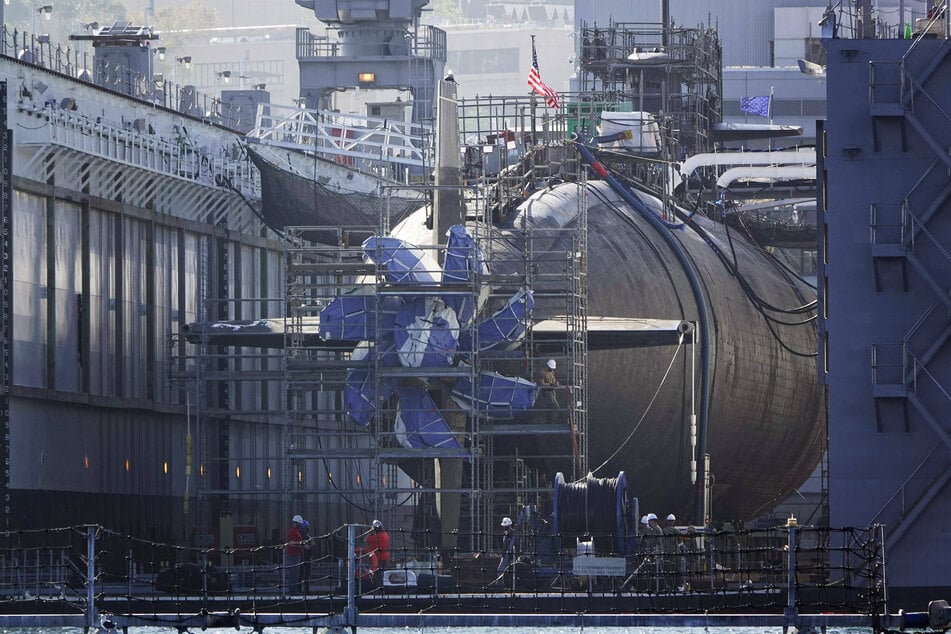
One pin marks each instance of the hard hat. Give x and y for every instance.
(297, 519)
(643, 519)
(506, 521)
(651, 516)
(671, 518)
(377, 524)
(551, 364)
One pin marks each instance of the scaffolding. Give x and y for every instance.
(276, 403)
(501, 463)
(672, 72)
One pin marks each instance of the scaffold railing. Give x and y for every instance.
(84, 574)
(347, 138)
(388, 463)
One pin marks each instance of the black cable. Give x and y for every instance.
(760, 305)
(330, 479)
(589, 508)
(732, 267)
(809, 306)
(788, 272)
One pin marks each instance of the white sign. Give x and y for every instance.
(592, 566)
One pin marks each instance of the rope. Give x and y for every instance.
(647, 409)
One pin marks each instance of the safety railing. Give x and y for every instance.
(426, 42)
(890, 363)
(346, 138)
(80, 65)
(95, 573)
(175, 157)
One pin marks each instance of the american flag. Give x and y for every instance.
(535, 81)
(759, 106)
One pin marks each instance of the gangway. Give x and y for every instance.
(342, 136)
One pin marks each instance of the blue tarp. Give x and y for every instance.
(497, 396)
(386, 348)
(506, 326)
(463, 259)
(419, 424)
(426, 333)
(402, 262)
(353, 318)
(360, 399)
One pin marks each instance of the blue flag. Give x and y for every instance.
(756, 105)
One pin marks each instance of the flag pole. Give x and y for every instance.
(534, 137)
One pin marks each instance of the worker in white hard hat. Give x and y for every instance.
(509, 550)
(653, 527)
(378, 545)
(670, 525)
(293, 556)
(549, 384)
(642, 528)
(674, 548)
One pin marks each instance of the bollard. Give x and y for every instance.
(791, 613)
(939, 615)
(92, 616)
(350, 613)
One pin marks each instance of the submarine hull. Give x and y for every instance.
(766, 418)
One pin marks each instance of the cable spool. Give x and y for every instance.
(596, 507)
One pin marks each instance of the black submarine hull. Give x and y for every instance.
(766, 417)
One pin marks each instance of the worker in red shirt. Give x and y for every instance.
(378, 543)
(293, 555)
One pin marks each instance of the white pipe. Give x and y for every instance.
(769, 173)
(802, 156)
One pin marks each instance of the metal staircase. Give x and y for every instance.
(908, 233)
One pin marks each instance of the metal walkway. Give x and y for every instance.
(88, 576)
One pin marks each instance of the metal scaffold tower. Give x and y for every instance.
(663, 84)
(672, 72)
(351, 448)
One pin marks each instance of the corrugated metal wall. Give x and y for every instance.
(29, 284)
(68, 286)
(95, 431)
(102, 284)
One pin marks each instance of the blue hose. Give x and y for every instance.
(702, 320)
